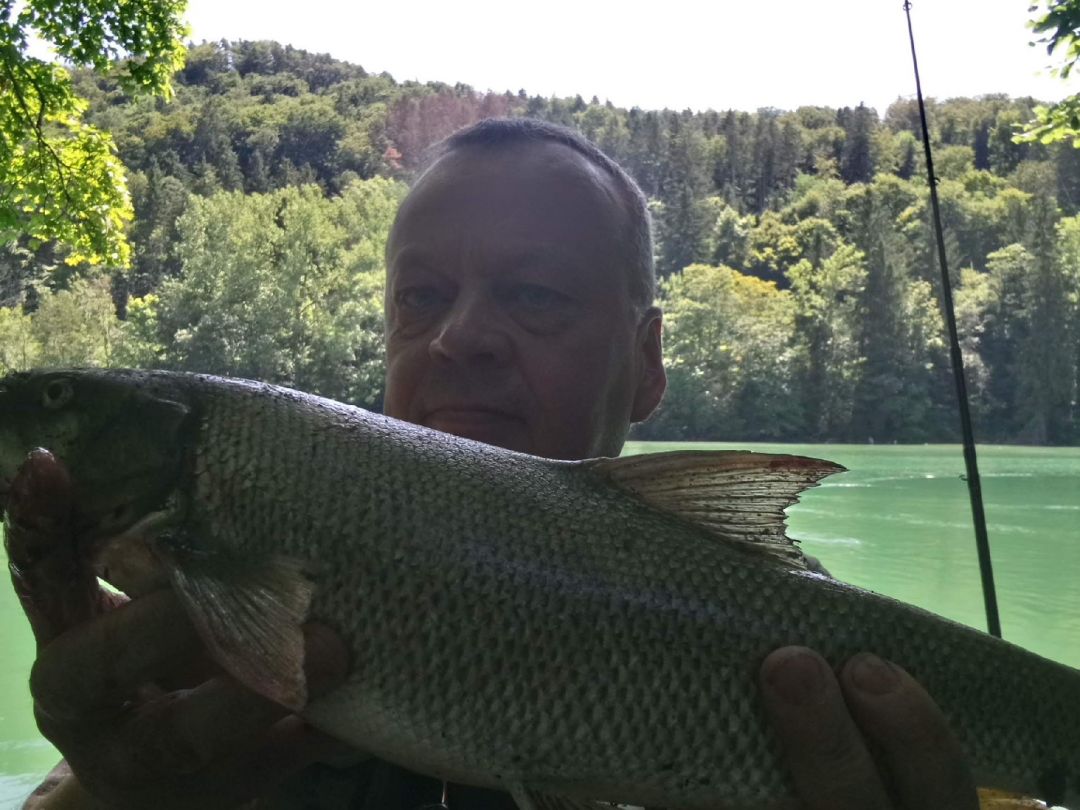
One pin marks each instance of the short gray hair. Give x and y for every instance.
(493, 133)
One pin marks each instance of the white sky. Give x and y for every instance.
(700, 54)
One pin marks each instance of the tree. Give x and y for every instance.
(284, 287)
(211, 145)
(729, 344)
(1069, 255)
(682, 224)
(60, 178)
(826, 297)
(857, 160)
(648, 145)
(77, 327)
(1046, 377)
(1058, 23)
(160, 200)
(728, 238)
(762, 193)
(899, 332)
(18, 349)
(1001, 322)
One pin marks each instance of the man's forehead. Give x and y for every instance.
(523, 254)
(530, 198)
(510, 166)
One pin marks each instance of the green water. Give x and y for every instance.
(897, 523)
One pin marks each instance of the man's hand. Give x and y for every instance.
(829, 725)
(125, 689)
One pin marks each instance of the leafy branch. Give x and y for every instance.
(1058, 27)
(60, 178)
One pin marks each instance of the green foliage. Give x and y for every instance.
(160, 200)
(140, 346)
(1053, 123)
(18, 349)
(285, 287)
(682, 224)
(74, 327)
(801, 269)
(60, 178)
(727, 238)
(99, 33)
(77, 326)
(773, 248)
(60, 181)
(826, 329)
(728, 339)
(857, 163)
(1058, 24)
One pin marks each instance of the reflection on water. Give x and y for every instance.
(826, 540)
(897, 523)
(23, 761)
(14, 788)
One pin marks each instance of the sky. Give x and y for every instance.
(697, 54)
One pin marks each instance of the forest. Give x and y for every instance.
(799, 274)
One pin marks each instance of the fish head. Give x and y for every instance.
(120, 434)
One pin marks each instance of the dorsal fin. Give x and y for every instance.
(737, 496)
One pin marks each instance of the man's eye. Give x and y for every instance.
(418, 299)
(534, 298)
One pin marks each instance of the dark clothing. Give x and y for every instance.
(394, 788)
(376, 785)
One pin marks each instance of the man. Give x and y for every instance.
(518, 312)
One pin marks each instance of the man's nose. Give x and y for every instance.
(472, 332)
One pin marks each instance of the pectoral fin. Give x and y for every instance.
(250, 616)
(738, 497)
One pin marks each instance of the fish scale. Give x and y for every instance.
(521, 623)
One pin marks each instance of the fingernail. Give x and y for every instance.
(874, 675)
(796, 676)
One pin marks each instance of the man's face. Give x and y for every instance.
(508, 315)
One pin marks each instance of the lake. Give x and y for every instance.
(899, 522)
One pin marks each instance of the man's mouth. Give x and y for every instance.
(478, 422)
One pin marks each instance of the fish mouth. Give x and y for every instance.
(128, 559)
(116, 546)
(127, 504)
(104, 528)
(8, 470)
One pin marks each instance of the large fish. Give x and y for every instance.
(567, 631)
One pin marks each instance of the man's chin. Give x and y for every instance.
(501, 430)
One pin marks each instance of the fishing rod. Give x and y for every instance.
(982, 542)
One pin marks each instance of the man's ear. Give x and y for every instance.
(652, 379)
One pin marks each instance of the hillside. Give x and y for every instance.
(799, 267)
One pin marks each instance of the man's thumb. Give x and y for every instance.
(56, 588)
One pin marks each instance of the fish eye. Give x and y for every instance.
(57, 394)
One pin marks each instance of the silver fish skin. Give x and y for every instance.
(569, 631)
